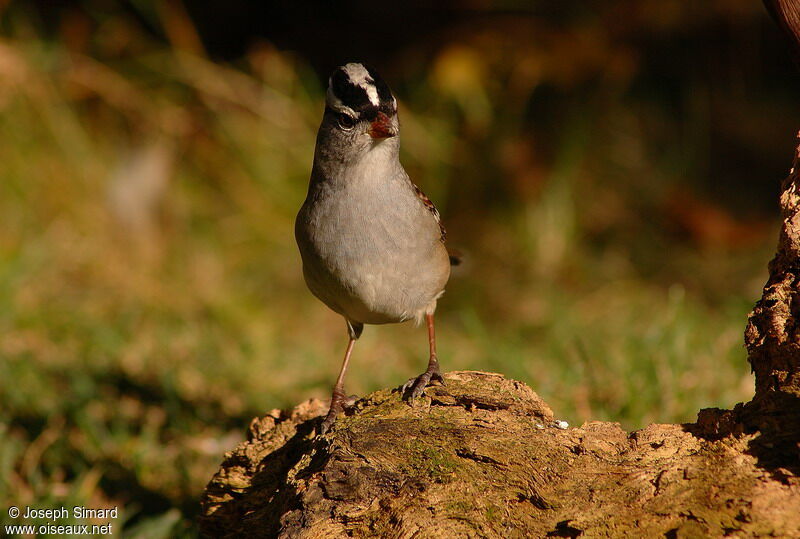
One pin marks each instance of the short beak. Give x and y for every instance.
(382, 127)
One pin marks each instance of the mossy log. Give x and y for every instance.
(483, 457)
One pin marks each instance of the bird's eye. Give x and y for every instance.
(346, 121)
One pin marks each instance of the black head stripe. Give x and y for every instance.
(349, 94)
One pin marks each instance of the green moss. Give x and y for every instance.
(434, 463)
(459, 508)
(493, 514)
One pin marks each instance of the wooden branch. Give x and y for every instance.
(772, 337)
(482, 457)
(787, 14)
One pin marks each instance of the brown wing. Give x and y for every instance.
(431, 208)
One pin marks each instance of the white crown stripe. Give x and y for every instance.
(359, 76)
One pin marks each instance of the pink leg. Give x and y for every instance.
(416, 386)
(338, 397)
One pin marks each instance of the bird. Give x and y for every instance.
(371, 242)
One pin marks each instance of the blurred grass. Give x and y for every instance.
(151, 298)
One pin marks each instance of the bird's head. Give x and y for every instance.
(360, 112)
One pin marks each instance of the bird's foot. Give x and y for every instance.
(329, 420)
(416, 386)
(338, 405)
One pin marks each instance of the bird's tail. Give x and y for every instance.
(456, 257)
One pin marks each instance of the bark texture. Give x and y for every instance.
(483, 457)
(772, 338)
(773, 331)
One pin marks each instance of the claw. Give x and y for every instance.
(326, 424)
(415, 387)
(330, 418)
(350, 402)
(337, 406)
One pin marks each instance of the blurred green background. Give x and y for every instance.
(610, 169)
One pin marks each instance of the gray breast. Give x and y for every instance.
(371, 250)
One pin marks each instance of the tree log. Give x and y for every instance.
(773, 332)
(772, 338)
(483, 457)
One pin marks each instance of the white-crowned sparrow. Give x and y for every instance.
(372, 243)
